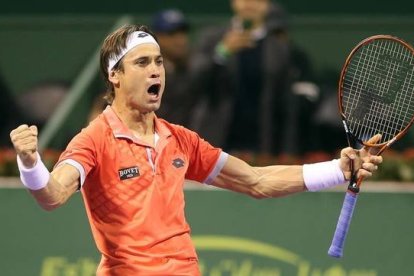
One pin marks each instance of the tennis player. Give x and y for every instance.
(130, 167)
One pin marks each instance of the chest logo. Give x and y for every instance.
(178, 163)
(128, 173)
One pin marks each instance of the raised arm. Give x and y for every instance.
(51, 190)
(281, 180)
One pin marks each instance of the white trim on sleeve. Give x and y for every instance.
(78, 166)
(217, 168)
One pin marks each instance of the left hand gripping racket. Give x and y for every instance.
(375, 96)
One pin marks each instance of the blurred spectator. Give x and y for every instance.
(303, 91)
(172, 31)
(247, 71)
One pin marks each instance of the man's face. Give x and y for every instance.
(254, 10)
(141, 84)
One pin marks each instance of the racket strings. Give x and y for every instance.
(378, 90)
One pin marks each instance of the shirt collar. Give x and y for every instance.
(120, 130)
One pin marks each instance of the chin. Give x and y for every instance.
(153, 108)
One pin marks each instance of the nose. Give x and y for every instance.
(155, 70)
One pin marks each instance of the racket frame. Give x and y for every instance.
(350, 137)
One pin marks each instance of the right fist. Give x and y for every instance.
(24, 139)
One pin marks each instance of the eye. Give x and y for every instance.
(159, 61)
(142, 61)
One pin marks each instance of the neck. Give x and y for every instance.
(141, 124)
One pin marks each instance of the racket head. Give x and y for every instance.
(376, 90)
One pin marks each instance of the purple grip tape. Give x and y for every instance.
(338, 241)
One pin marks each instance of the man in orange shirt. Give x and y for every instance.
(131, 165)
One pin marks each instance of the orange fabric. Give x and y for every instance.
(136, 212)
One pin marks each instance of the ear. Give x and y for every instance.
(113, 77)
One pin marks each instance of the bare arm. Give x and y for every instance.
(61, 183)
(281, 180)
(260, 182)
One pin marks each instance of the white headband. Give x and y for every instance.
(134, 39)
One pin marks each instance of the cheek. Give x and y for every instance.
(134, 89)
(135, 82)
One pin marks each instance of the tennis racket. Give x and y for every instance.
(375, 96)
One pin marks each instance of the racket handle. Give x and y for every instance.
(338, 241)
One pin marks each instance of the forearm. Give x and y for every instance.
(260, 182)
(277, 181)
(53, 195)
(51, 190)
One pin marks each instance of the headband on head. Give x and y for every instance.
(134, 39)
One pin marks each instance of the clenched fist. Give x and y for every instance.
(24, 139)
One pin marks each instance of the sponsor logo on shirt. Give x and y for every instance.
(128, 173)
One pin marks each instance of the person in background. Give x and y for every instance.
(246, 71)
(131, 167)
(302, 88)
(172, 30)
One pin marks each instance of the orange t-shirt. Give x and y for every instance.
(134, 197)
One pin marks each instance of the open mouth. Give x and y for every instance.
(154, 89)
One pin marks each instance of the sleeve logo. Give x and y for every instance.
(178, 163)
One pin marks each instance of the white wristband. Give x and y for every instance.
(34, 178)
(319, 176)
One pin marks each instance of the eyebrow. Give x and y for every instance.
(148, 57)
